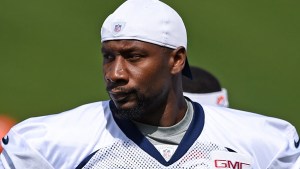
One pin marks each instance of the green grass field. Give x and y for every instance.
(50, 58)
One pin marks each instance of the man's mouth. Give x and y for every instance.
(119, 96)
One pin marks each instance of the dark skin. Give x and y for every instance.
(147, 76)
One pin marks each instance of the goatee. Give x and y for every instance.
(131, 114)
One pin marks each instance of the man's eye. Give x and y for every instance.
(107, 56)
(134, 57)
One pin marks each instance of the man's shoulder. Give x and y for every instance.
(261, 136)
(79, 117)
(78, 114)
(68, 133)
(248, 120)
(250, 126)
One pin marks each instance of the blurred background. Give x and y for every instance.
(50, 58)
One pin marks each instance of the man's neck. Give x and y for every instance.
(169, 115)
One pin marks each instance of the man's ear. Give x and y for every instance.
(177, 60)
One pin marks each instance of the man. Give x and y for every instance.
(204, 88)
(148, 123)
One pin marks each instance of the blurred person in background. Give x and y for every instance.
(204, 88)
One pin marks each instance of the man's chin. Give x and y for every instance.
(128, 110)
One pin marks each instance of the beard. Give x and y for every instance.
(133, 113)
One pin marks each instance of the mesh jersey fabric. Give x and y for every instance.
(128, 155)
(66, 139)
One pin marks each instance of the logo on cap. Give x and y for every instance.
(118, 27)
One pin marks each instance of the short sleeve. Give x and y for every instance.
(17, 153)
(288, 157)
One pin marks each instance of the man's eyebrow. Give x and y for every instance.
(132, 49)
(124, 49)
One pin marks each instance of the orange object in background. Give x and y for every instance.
(6, 123)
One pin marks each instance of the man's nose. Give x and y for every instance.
(117, 71)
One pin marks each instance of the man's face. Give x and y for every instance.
(137, 75)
